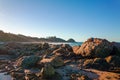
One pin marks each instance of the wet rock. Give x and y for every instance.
(27, 61)
(95, 47)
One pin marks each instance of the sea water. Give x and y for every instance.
(70, 43)
(75, 44)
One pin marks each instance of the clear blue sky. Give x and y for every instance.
(78, 19)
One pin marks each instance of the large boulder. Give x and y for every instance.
(95, 47)
(27, 61)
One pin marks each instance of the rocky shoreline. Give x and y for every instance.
(95, 59)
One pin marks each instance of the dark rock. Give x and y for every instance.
(97, 63)
(100, 64)
(88, 63)
(27, 61)
(13, 45)
(79, 77)
(45, 46)
(17, 75)
(67, 47)
(48, 71)
(116, 49)
(57, 62)
(113, 61)
(3, 51)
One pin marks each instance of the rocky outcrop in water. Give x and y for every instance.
(71, 40)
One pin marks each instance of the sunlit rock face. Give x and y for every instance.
(95, 47)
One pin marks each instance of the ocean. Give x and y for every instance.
(55, 43)
(70, 43)
(75, 44)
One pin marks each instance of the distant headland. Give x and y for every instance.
(6, 37)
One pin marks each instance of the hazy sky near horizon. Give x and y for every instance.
(78, 19)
